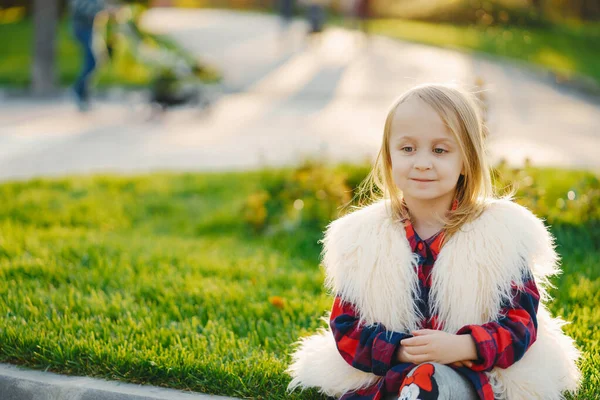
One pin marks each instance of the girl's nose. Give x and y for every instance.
(422, 163)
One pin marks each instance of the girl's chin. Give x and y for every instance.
(423, 194)
(420, 196)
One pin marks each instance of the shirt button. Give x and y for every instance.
(420, 246)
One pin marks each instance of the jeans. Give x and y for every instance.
(83, 34)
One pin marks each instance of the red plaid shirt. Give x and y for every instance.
(372, 348)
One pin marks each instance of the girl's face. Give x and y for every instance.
(426, 159)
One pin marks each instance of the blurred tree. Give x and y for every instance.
(45, 20)
(584, 10)
(142, 2)
(589, 9)
(63, 4)
(537, 7)
(28, 5)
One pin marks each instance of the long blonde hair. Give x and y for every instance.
(461, 114)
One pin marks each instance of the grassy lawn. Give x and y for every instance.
(124, 70)
(182, 280)
(564, 50)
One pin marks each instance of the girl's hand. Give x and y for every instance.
(437, 346)
(403, 356)
(464, 363)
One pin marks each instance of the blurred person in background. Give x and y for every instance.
(286, 12)
(83, 14)
(285, 9)
(315, 15)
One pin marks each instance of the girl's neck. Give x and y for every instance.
(425, 214)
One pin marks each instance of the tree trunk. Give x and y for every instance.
(45, 19)
(589, 10)
(538, 8)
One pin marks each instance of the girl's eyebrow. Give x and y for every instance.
(436, 140)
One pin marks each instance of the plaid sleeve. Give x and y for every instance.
(503, 342)
(369, 348)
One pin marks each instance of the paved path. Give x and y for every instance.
(24, 384)
(286, 99)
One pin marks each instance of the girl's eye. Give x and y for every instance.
(438, 150)
(407, 149)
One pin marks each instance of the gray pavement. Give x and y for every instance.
(24, 384)
(285, 99)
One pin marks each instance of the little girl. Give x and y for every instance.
(439, 286)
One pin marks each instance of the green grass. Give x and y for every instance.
(157, 279)
(567, 51)
(124, 70)
(16, 56)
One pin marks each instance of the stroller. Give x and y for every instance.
(172, 87)
(175, 76)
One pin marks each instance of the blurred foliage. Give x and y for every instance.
(487, 12)
(127, 55)
(308, 197)
(312, 195)
(16, 58)
(560, 197)
(568, 51)
(483, 12)
(11, 14)
(491, 12)
(27, 5)
(162, 55)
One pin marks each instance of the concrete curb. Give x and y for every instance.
(18, 383)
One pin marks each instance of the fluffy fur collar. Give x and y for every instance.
(368, 261)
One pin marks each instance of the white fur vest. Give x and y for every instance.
(368, 261)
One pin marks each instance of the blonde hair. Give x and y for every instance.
(461, 114)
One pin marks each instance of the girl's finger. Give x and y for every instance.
(466, 363)
(422, 332)
(414, 341)
(414, 350)
(421, 358)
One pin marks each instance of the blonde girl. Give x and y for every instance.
(439, 286)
